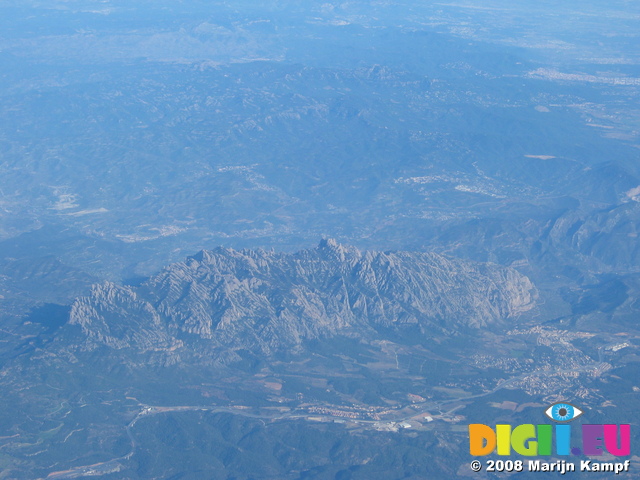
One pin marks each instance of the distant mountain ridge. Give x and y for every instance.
(225, 300)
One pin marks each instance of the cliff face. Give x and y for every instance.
(224, 300)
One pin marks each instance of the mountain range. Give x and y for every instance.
(225, 300)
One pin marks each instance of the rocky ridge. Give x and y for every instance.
(226, 300)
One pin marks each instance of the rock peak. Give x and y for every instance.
(328, 243)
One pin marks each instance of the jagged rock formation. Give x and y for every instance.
(265, 301)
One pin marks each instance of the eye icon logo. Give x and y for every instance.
(563, 412)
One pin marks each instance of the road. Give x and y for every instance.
(117, 464)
